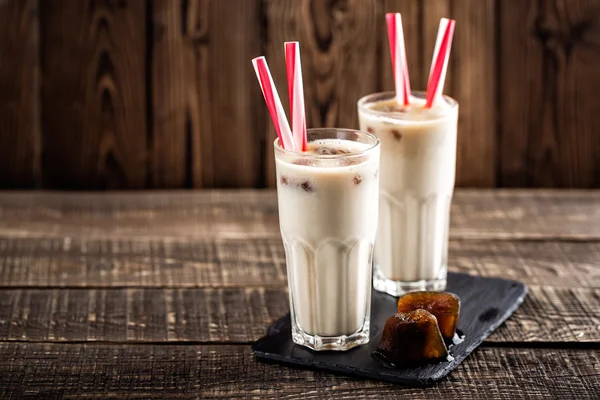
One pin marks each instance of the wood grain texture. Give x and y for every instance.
(141, 263)
(554, 315)
(259, 262)
(236, 104)
(548, 315)
(208, 121)
(161, 94)
(241, 214)
(20, 138)
(168, 282)
(549, 80)
(534, 215)
(556, 264)
(181, 118)
(339, 42)
(476, 214)
(94, 94)
(473, 85)
(231, 372)
(140, 315)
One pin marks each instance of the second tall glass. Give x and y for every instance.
(418, 162)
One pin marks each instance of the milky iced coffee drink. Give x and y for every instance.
(328, 202)
(418, 158)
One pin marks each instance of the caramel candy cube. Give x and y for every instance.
(411, 339)
(444, 305)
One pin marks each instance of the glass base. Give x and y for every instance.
(336, 343)
(398, 288)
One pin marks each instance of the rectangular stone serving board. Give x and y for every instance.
(485, 304)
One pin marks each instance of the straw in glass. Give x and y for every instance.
(398, 54)
(439, 64)
(296, 94)
(282, 127)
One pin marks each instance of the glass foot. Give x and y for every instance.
(398, 288)
(336, 343)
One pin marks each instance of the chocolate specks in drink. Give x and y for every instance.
(370, 130)
(306, 186)
(300, 184)
(357, 179)
(390, 106)
(329, 151)
(396, 133)
(302, 161)
(352, 161)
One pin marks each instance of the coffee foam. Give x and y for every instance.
(390, 110)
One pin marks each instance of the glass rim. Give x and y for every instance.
(388, 95)
(304, 154)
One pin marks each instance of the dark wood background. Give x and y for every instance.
(162, 94)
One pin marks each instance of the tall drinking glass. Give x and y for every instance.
(328, 202)
(418, 163)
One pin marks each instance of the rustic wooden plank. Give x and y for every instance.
(231, 372)
(548, 315)
(141, 263)
(476, 214)
(473, 85)
(548, 81)
(236, 105)
(521, 108)
(339, 58)
(201, 75)
(556, 315)
(202, 164)
(573, 215)
(181, 120)
(94, 94)
(556, 264)
(20, 139)
(213, 214)
(141, 315)
(179, 263)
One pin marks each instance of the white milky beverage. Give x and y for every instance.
(418, 159)
(328, 202)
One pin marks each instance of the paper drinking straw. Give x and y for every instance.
(282, 127)
(439, 64)
(296, 94)
(398, 55)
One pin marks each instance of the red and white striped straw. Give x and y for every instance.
(296, 94)
(439, 63)
(282, 127)
(398, 54)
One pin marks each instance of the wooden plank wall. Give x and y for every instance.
(20, 135)
(161, 93)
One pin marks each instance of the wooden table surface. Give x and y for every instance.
(157, 295)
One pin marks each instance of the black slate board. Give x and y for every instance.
(485, 304)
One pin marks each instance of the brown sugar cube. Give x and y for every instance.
(412, 338)
(444, 305)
